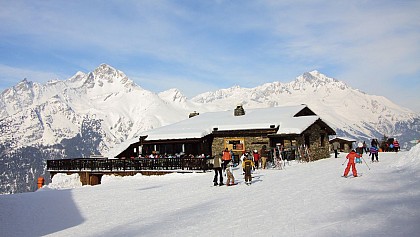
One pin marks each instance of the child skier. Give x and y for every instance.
(351, 157)
(230, 179)
(247, 166)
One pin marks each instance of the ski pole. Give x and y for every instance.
(365, 162)
(345, 159)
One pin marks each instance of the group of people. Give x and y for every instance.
(356, 154)
(224, 163)
(156, 155)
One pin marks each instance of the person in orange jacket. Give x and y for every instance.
(226, 158)
(351, 157)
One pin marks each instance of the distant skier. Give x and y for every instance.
(336, 147)
(247, 166)
(396, 145)
(374, 153)
(351, 157)
(390, 147)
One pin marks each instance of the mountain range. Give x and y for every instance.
(94, 113)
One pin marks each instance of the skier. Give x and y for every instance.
(351, 157)
(256, 158)
(247, 166)
(374, 153)
(336, 147)
(230, 178)
(217, 171)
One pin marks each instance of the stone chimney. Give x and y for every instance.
(239, 111)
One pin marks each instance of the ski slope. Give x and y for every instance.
(304, 199)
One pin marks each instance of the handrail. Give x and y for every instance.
(133, 164)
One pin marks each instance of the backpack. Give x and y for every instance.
(247, 166)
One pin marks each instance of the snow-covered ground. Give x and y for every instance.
(305, 199)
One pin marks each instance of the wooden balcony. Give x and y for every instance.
(138, 164)
(91, 170)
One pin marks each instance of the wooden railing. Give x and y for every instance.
(103, 164)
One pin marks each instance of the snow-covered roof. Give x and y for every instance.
(296, 125)
(344, 138)
(263, 118)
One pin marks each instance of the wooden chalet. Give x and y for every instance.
(209, 133)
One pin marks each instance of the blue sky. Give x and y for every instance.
(199, 46)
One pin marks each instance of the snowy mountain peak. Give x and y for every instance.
(315, 80)
(315, 77)
(24, 85)
(172, 95)
(104, 80)
(77, 77)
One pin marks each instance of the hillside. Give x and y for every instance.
(304, 199)
(96, 112)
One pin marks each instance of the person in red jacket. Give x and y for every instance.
(396, 145)
(256, 158)
(351, 157)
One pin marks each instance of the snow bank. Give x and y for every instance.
(64, 181)
(413, 154)
(410, 158)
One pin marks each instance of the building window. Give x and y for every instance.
(322, 140)
(235, 144)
